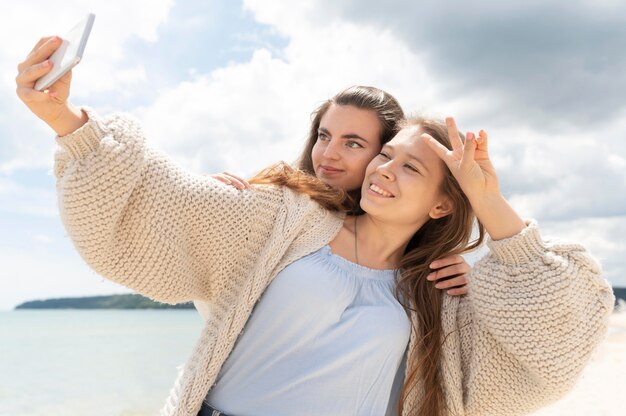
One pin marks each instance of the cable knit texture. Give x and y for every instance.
(535, 312)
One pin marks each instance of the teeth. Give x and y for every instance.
(380, 191)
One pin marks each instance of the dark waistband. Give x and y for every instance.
(207, 410)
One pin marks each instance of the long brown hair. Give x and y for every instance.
(302, 177)
(436, 239)
(282, 174)
(362, 97)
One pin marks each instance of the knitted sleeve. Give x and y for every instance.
(141, 221)
(535, 312)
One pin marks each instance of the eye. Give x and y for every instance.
(322, 136)
(354, 145)
(413, 168)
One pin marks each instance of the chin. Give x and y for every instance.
(368, 206)
(332, 183)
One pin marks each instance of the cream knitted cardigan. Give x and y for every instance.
(535, 312)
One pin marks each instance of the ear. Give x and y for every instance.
(442, 209)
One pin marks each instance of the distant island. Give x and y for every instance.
(130, 301)
(133, 301)
(620, 293)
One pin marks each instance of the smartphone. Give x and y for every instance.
(68, 54)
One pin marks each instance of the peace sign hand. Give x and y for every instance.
(469, 162)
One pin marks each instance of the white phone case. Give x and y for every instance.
(69, 53)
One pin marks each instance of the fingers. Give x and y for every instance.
(30, 74)
(451, 274)
(481, 142)
(437, 147)
(37, 63)
(473, 149)
(231, 180)
(242, 182)
(446, 272)
(447, 261)
(453, 133)
(41, 42)
(222, 178)
(460, 280)
(469, 149)
(30, 95)
(457, 291)
(42, 51)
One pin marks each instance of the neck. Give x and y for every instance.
(381, 244)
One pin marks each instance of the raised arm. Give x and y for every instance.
(536, 309)
(535, 312)
(140, 220)
(469, 163)
(134, 216)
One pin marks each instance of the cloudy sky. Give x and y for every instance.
(230, 85)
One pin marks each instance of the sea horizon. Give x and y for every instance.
(123, 362)
(72, 362)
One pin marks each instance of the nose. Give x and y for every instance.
(386, 170)
(331, 151)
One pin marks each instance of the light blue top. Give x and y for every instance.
(326, 338)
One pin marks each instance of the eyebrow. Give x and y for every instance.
(411, 156)
(345, 136)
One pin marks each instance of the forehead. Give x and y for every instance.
(350, 119)
(408, 142)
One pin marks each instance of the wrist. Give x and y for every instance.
(498, 216)
(69, 120)
(486, 202)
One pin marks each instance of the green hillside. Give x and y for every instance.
(137, 302)
(101, 302)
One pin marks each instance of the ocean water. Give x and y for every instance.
(123, 363)
(91, 362)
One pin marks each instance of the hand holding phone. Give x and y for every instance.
(69, 54)
(39, 78)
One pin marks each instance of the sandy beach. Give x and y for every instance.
(600, 390)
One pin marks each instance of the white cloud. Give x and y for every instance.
(576, 174)
(543, 58)
(105, 52)
(104, 70)
(244, 116)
